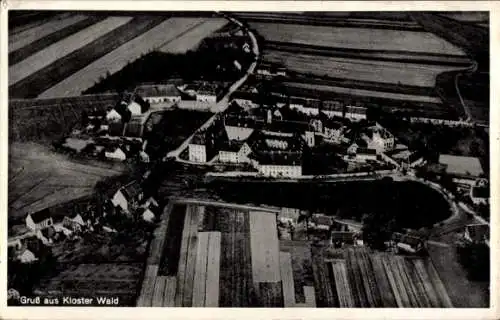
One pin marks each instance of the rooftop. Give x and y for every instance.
(40, 215)
(278, 158)
(131, 190)
(158, 90)
(460, 165)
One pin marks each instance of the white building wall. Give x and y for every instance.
(120, 201)
(197, 153)
(206, 98)
(280, 171)
(161, 99)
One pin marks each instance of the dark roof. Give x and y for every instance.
(158, 90)
(478, 232)
(332, 124)
(41, 215)
(286, 126)
(131, 190)
(231, 146)
(260, 140)
(278, 158)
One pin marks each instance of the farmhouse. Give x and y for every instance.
(378, 138)
(159, 93)
(127, 196)
(460, 166)
(408, 243)
(39, 220)
(477, 233)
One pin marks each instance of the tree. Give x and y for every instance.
(475, 257)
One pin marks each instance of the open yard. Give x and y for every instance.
(26, 37)
(40, 178)
(355, 38)
(112, 62)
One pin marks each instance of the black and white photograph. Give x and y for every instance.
(248, 159)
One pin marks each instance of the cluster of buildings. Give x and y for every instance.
(47, 227)
(274, 139)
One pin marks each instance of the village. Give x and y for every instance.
(279, 196)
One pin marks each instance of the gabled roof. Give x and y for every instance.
(278, 158)
(199, 138)
(158, 90)
(478, 232)
(40, 215)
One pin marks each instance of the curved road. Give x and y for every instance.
(224, 102)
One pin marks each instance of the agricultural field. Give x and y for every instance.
(171, 30)
(191, 38)
(355, 38)
(21, 39)
(222, 256)
(44, 120)
(92, 280)
(356, 277)
(56, 51)
(40, 178)
(363, 70)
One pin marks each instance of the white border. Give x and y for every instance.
(193, 313)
